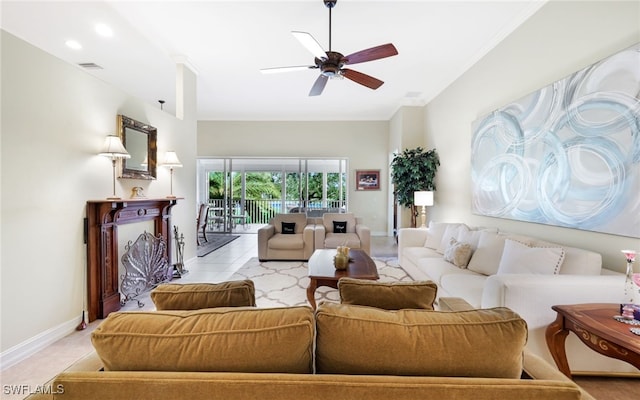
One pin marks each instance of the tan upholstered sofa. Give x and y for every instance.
(356, 234)
(294, 353)
(287, 237)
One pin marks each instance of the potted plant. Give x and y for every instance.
(413, 170)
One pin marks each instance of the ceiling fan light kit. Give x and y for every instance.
(331, 63)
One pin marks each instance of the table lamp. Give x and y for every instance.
(114, 149)
(424, 199)
(171, 161)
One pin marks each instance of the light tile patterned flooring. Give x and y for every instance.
(217, 266)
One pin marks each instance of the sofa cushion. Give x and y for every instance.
(458, 253)
(299, 219)
(519, 258)
(576, 261)
(414, 254)
(451, 232)
(194, 296)
(214, 339)
(435, 232)
(388, 295)
(436, 268)
(333, 240)
(366, 340)
(281, 241)
(486, 258)
(329, 218)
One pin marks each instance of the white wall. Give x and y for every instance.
(407, 132)
(54, 120)
(561, 38)
(364, 143)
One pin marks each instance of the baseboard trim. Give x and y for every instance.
(29, 347)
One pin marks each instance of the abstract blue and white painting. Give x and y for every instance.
(567, 154)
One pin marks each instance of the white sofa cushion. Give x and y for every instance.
(414, 254)
(577, 261)
(435, 233)
(451, 232)
(519, 258)
(470, 236)
(436, 268)
(486, 258)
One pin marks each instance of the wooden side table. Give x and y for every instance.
(595, 326)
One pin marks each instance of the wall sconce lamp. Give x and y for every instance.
(171, 161)
(423, 199)
(114, 149)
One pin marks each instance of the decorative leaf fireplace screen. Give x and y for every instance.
(146, 266)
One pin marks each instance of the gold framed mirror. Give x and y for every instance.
(140, 141)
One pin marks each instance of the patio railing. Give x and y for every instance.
(261, 211)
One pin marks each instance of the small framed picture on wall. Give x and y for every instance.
(368, 179)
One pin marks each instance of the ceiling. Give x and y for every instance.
(227, 43)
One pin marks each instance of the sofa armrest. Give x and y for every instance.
(308, 236)
(537, 368)
(264, 234)
(89, 363)
(364, 233)
(411, 237)
(532, 296)
(319, 235)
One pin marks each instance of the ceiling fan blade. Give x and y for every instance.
(363, 79)
(318, 86)
(374, 53)
(310, 43)
(287, 69)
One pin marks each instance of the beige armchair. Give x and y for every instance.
(357, 235)
(275, 242)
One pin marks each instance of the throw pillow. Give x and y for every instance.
(288, 228)
(388, 295)
(194, 296)
(339, 226)
(519, 258)
(458, 253)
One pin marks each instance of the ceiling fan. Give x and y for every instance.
(331, 63)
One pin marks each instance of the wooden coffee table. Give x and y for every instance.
(595, 326)
(322, 272)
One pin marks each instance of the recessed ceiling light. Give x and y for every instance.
(73, 44)
(104, 30)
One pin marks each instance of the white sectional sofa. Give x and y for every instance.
(525, 274)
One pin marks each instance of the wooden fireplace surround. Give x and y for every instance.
(103, 218)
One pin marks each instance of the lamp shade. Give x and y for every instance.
(113, 148)
(171, 160)
(423, 198)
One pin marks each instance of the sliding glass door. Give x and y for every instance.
(249, 191)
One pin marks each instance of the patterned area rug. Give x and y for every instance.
(284, 283)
